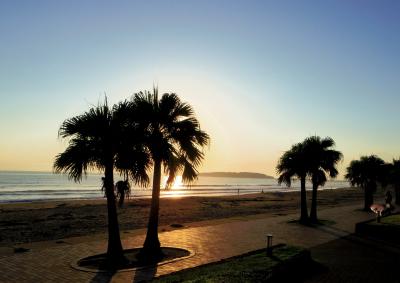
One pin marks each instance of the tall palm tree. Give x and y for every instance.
(321, 160)
(96, 140)
(293, 164)
(394, 178)
(171, 135)
(366, 173)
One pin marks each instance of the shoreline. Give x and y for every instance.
(33, 187)
(55, 220)
(180, 193)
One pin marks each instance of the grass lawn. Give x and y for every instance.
(391, 220)
(252, 267)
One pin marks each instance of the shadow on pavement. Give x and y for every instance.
(102, 277)
(145, 274)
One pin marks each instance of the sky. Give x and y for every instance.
(260, 75)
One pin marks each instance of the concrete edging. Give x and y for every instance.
(75, 265)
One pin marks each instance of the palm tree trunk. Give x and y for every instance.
(115, 254)
(368, 197)
(313, 212)
(303, 201)
(397, 193)
(151, 246)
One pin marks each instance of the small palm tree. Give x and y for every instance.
(293, 164)
(171, 135)
(366, 173)
(97, 141)
(321, 160)
(123, 190)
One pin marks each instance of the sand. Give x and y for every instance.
(55, 220)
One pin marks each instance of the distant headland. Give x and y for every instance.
(236, 175)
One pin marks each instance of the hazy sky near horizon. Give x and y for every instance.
(261, 75)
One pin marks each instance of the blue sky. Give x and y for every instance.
(261, 75)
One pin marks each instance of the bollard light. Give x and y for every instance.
(269, 244)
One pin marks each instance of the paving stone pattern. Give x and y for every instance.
(210, 243)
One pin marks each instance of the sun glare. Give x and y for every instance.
(176, 185)
(176, 188)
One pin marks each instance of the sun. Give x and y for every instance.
(176, 185)
(176, 190)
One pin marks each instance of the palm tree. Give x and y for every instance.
(321, 159)
(293, 164)
(394, 178)
(123, 190)
(171, 135)
(366, 173)
(97, 141)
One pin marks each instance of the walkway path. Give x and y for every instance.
(210, 243)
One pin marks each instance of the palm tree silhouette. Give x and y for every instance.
(123, 190)
(97, 140)
(293, 164)
(171, 135)
(366, 173)
(394, 178)
(321, 160)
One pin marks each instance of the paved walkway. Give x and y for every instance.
(210, 243)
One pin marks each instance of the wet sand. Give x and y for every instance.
(55, 220)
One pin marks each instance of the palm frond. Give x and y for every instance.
(189, 173)
(172, 167)
(286, 178)
(366, 171)
(77, 159)
(167, 128)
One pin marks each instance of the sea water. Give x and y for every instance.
(17, 186)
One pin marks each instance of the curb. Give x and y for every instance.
(75, 265)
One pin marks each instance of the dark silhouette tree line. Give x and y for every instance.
(371, 171)
(314, 159)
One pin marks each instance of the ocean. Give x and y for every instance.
(17, 186)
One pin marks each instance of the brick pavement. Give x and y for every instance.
(210, 243)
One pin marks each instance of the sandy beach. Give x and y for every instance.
(55, 220)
